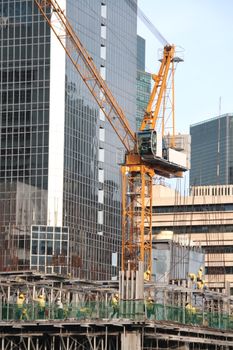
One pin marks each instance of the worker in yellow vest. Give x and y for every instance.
(41, 306)
(147, 274)
(192, 276)
(20, 306)
(190, 313)
(150, 306)
(115, 305)
(201, 284)
(200, 281)
(200, 274)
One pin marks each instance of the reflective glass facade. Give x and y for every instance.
(24, 121)
(141, 49)
(211, 152)
(143, 82)
(90, 184)
(143, 95)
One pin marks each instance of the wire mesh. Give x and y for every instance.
(133, 310)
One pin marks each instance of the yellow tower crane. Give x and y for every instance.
(143, 157)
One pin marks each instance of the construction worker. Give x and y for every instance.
(200, 281)
(41, 306)
(201, 284)
(192, 277)
(24, 315)
(200, 274)
(147, 275)
(149, 307)
(66, 309)
(60, 311)
(20, 306)
(115, 305)
(83, 312)
(190, 313)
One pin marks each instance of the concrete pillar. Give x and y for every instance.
(131, 341)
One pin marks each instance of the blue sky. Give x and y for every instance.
(204, 28)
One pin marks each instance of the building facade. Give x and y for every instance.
(143, 82)
(59, 157)
(211, 151)
(204, 218)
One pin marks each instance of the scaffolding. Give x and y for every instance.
(87, 320)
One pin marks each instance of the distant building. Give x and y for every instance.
(141, 53)
(205, 218)
(143, 82)
(212, 151)
(59, 171)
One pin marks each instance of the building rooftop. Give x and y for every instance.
(211, 119)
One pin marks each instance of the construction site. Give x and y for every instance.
(157, 296)
(88, 319)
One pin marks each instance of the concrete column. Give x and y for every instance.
(131, 341)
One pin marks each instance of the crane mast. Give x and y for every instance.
(140, 166)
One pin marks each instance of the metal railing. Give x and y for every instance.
(133, 310)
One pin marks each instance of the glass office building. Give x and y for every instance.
(211, 151)
(143, 82)
(141, 53)
(59, 157)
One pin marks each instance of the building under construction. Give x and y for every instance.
(171, 312)
(87, 320)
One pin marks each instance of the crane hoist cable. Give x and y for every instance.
(141, 15)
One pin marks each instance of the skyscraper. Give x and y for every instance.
(59, 172)
(143, 81)
(211, 151)
(141, 53)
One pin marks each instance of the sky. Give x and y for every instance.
(204, 29)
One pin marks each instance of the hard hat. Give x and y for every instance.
(148, 272)
(41, 296)
(201, 268)
(116, 295)
(21, 295)
(58, 298)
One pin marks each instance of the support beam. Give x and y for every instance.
(131, 341)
